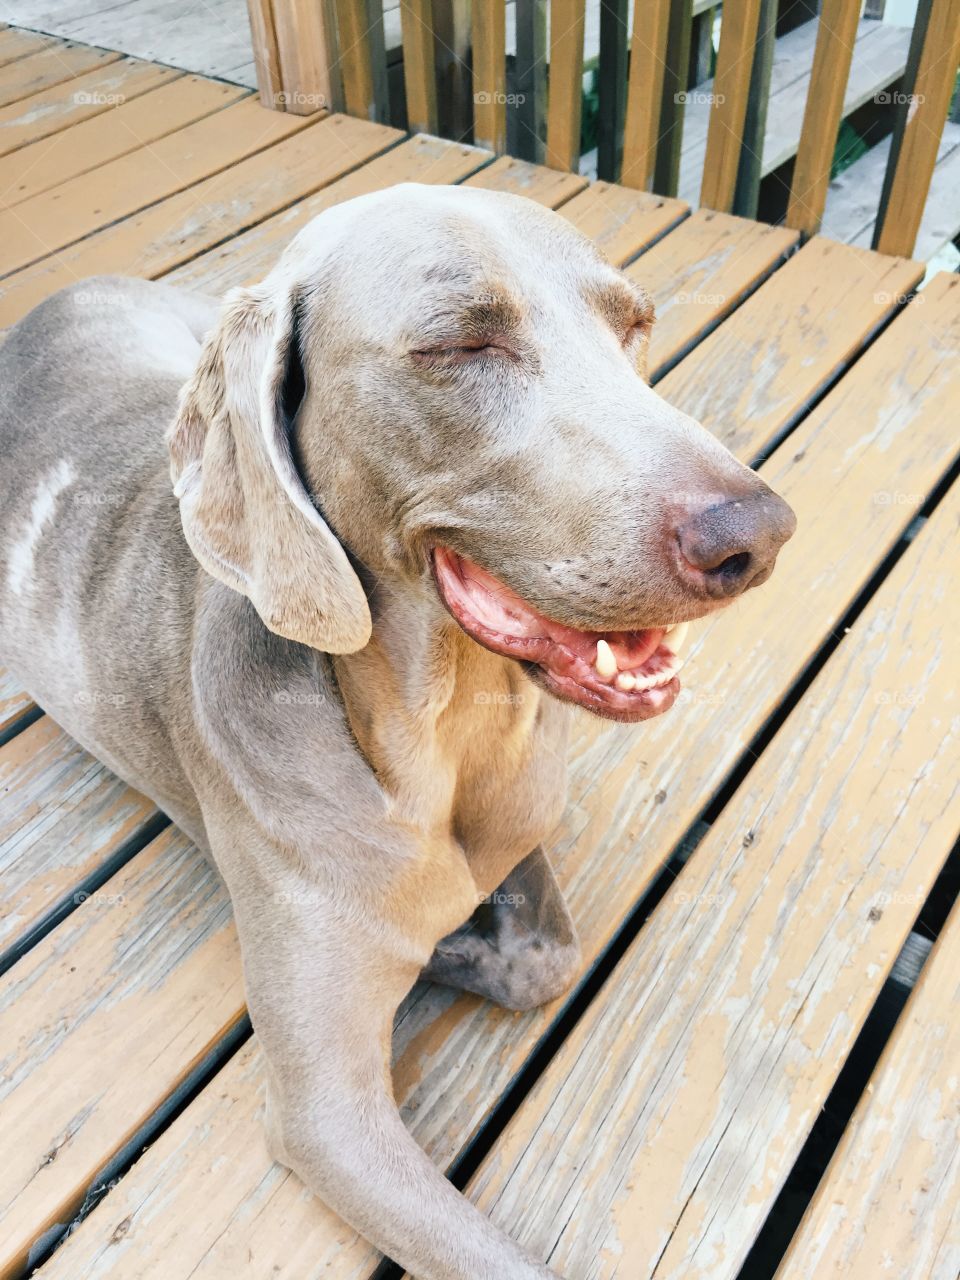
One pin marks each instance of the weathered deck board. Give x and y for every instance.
(212, 210)
(813, 314)
(82, 98)
(546, 186)
(231, 132)
(114, 1006)
(14, 701)
(701, 272)
(660, 1134)
(884, 430)
(15, 44)
(622, 222)
(92, 143)
(49, 66)
(64, 814)
(893, 1188)
(250, 256)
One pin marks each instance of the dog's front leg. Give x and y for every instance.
(330, 948)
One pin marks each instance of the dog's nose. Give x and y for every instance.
(734, 545)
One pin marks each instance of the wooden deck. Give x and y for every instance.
(744, 872)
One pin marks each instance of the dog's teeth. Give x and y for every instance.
(675, 636)
(626, 682)
(606, 663)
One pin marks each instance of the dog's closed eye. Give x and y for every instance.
(458, 352)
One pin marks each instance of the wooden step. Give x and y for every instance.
(879, 59)
(632, 798)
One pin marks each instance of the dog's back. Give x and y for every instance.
(90, 538)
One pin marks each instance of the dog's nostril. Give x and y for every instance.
(733, 568)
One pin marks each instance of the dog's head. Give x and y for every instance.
(448, 378)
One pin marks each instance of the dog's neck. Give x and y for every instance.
(426, 701)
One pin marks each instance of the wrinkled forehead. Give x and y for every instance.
(416, 247)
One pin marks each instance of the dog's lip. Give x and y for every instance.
(561, 658)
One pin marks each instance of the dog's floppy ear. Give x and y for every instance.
(245, 512)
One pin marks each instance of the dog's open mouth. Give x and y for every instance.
(624, 675)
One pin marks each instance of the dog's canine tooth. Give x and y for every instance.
(626, 682)
(606, 663)
(675, 636)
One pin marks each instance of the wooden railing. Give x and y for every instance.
(312, 54)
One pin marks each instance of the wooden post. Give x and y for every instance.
(914, 150)
(731, 86)
(564, 107)
(648, 56)
(531, 78)
(836, 36)
(750, 169)
(611, 87)
(666, 177)
(490, 75)
(419, 72)
(294, 43)
(451, 24)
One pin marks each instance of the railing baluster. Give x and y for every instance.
(356, 60)
(746, 195)
(611, 87)
(490, 75)
(531, 77)
(648, 55)
(836, 37)
(914, 152)
(731, 86)
(293, 44)
(666, 177)
(567, 21)
(419, 73)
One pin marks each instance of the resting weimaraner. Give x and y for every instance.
(422, 506)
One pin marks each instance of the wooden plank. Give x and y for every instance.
(101, 987)
(884, 433)
(566, 84)
(700, 273)
(266, 53)
(252, 254)
(926, 114)
(82, 205)
(310, 71)
(836, 36)
(93, 143)
(738, 36)
(622, 222)
(648, 55)
(65, 105)
(681, 1100)
(16, 44)
(165, 235)
(612, 70)
(807, 323)
(547, 186)
(15, 702)
(419, 73)
(892, 1191)
(490, 75)
(356, 59)
(673, 101)
(63, 816)
(50, 66)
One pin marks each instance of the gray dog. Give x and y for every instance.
(422, 505)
